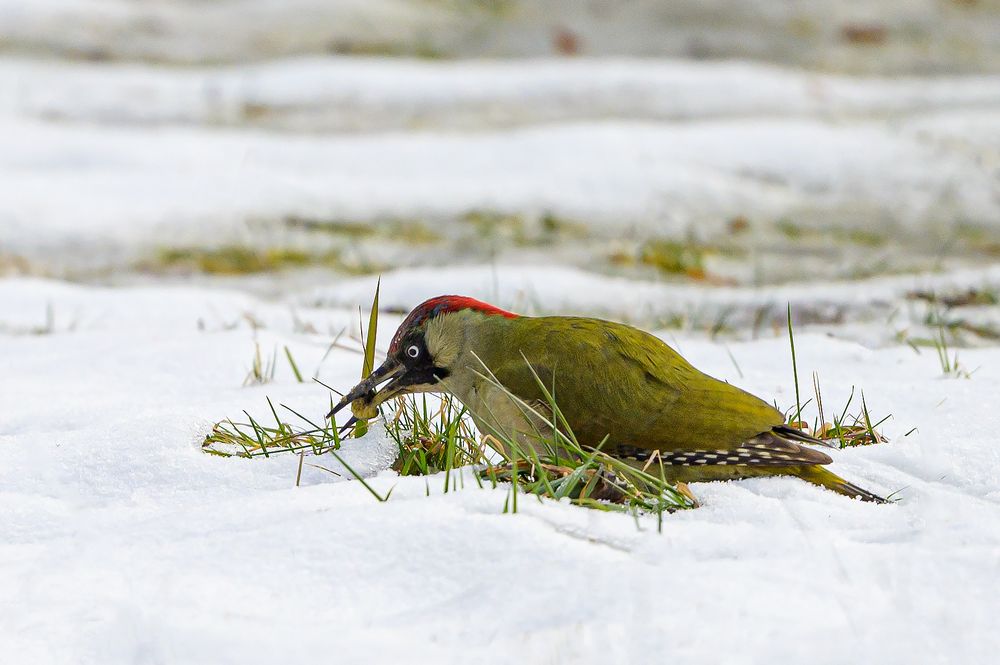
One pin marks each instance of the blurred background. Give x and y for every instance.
(692, 164)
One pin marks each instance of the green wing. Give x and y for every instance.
(620, 382)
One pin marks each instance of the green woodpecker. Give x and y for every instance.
(613, 384)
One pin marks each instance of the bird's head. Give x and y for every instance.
(421, 352)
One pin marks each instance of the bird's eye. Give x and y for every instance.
(413, 350)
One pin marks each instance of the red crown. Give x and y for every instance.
(443, 305)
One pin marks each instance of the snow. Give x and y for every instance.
(351, 94)
(139, 188)
(886, 300)
(126, 159)
(125, 543)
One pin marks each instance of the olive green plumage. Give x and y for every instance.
(617, 381)
(615, 386)
(619, 385)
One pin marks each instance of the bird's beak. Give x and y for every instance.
(390, 369)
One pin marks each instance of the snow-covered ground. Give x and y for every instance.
(124, 543)
(537, 184)
(351, 94)
(151, 186)
(741, 140)
(104, 165)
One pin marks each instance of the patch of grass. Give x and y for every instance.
(255, 439)
(977, 238)
(971, 297)
(332, 226)
(293, 365)
(522, 229)
(246, 260)
(949, 363)
(795, 366)
(674, 257)
(432, 440)
(420, 49)
(847, 429)
(494, 224)
(858, 236)
(947, 358)
(368, 359)
(942, 330)
(789, 229)
(553, 227)
(240, 260)
(554, 466)
(261, 369)
(862, 237)
(411, 231)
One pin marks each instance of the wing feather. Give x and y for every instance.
(617, 381)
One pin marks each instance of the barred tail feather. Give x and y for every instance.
(765, 449)
(831, 481)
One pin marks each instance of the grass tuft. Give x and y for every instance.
(261, 369)
(433, 440)
(368, 360)
(255, 439)
(246, 260)
(943, 331)
(847, 429)
(675, 258)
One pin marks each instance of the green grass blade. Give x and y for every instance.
(295, 368)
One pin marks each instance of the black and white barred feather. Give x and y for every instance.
(767, 449)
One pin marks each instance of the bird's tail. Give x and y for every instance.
(820, 476)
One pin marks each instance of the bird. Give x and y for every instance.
(616, 387)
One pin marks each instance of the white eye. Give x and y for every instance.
(413, 350)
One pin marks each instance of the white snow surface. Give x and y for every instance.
(128, 158)
(114, 187)
(124, 543)
(567, 290)
(370, 94)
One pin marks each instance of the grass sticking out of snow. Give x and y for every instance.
(554, 466)
(368, 361)
(847, 430)
(246, 260)
(441, 440)
(679, 257)
(673, 257)
(521, 229)
(829, 235)
(411, 231)
(261, 369)
(432, 440)
(256, 439)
